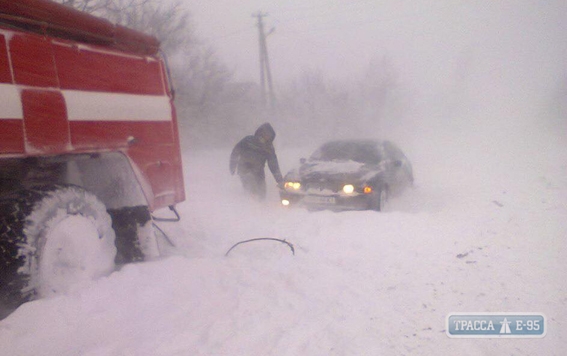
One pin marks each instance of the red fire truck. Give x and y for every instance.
(89, 148)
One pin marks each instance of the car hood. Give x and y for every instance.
(350, 171)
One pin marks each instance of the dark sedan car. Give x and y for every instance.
(348, 175)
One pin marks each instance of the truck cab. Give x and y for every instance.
(88, 130)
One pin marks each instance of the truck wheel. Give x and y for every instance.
(52, 238)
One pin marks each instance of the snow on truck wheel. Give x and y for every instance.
(52, 238)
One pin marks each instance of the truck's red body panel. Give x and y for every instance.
(63, 22)
(73, 83)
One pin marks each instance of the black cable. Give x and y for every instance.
(175, 219)
(262, 238)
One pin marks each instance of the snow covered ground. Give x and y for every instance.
(484, 230)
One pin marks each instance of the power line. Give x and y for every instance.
(290, 24)
(320, 10)
(371, 19)
(231, 34)
(295, 18)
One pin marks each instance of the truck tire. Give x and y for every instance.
(51, 238)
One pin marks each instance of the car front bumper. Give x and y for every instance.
(335, 202)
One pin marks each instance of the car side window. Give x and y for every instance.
(368, 153)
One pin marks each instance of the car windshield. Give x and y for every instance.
(363, 152)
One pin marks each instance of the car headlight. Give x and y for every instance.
(292, 185)
(348, 188)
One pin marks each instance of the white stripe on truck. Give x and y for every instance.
(10, 102)
(96, 106)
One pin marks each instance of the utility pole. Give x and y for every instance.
(265, 74)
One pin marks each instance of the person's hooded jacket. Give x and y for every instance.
(251, 153)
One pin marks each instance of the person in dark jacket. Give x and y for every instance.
(248, 159)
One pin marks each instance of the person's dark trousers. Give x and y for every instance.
(254, 183)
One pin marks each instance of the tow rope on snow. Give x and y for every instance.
(260, 239)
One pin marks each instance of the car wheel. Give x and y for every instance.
(379, 200)
(410, 179)
(52, 238)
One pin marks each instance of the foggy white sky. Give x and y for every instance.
(425, 40)
(478, 59)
